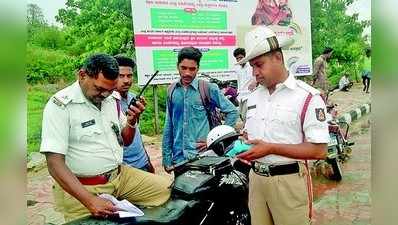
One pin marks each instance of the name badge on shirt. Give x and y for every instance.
(88, 123)
(251, 107)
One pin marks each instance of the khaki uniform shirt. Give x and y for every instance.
(276, 118)
(74, 127)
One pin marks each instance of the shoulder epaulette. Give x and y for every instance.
(61, 98)
(307, 87)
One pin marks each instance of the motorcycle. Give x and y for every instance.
(229, 88)
(209, 189)
(339, 146)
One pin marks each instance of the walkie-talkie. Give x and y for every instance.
(136, 98)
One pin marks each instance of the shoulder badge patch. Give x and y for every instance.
(57, 102)
(320, 114)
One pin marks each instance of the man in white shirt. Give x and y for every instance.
(246, 81)
(286, 124)
(83, 135)
(344, 83)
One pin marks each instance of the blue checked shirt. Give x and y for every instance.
(186, 122)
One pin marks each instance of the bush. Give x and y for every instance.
(48, 65)
(48, 37)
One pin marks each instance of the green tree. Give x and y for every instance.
(96, 26)
(35, 19)
(35, 15)
(332, 27)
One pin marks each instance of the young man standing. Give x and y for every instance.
(187, 125)
(135, 154)
(246, 81)
(286, 125)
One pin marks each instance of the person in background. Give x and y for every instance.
(345, 84)
(135, 154)
(320, 79)
(246, 81)
(367, 71)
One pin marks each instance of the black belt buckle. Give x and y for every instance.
(261, 169)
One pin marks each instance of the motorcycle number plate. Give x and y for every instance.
(332, 141)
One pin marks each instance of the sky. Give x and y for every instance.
(363, 7)
(50, 9)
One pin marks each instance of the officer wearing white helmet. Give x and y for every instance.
(286, 125)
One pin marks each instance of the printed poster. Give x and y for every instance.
(216, 27)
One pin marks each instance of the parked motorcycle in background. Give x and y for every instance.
(229, 88)
(339, 146)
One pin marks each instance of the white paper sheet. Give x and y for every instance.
(126, 208)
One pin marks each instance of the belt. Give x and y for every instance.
(267, 170)
(99, 179)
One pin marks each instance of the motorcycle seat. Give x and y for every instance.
(171, 212)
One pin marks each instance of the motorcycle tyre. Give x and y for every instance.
(337, 170)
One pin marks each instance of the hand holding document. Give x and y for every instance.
(126, 209)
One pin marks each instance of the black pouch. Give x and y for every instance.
(192, 183)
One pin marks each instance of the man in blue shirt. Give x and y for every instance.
(135, 154)
(186, 125)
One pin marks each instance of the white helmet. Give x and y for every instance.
(220, 137)
(263, 39)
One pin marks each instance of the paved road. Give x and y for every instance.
(348, 202)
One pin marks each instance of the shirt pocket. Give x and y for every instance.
(88, 134)
(252, 125)
(199, 112)
(284, 119)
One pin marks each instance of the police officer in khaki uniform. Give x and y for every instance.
(286, 124)
(83, 134)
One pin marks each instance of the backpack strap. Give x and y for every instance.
(205, 98)
(309, 180)
(204, 92)
(170, 91)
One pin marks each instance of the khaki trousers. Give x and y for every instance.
(137, 186)
(279, 200)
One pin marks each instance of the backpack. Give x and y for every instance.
(212, 112)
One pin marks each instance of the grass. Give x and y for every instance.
(39, 94)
